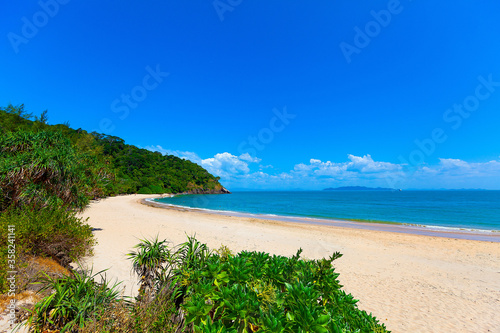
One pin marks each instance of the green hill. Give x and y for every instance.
(132, 169)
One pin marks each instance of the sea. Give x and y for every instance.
(446, 210)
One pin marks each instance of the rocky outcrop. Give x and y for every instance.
(222, 190)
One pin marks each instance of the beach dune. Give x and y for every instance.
(412, 283)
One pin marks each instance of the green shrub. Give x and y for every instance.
(49, 231)
(74, 302)
(197, 290)
(148, 261)
(255, 292)
(52, 232)
(155, 315)
(4, 288)
(43, 168)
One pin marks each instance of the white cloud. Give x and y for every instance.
(456, 173)
(247, 157)
(236, 171)
(367, 164)
(265, 166)
(225, 165)
(448, 173)
(301, 167)
(355, 166)
(451, 163)
(460, 167)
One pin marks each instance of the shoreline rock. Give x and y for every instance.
(223, 190)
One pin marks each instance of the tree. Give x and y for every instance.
(43, 117)
(18, 111)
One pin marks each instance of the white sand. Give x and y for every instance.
(411, 283)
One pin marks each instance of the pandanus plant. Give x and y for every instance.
(43, 168)
(148, 262)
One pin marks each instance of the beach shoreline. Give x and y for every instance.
(411, 283)
(398, 227)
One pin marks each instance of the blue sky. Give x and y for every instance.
(273, 94)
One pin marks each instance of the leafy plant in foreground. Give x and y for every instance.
(257, 292)
(148, 262)
(74, 302)
(198, 290)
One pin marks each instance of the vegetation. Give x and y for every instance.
(48, 173)
(148, 262)
(74, 301)
(44, 180)
(198, 290)
(131, 169)
(257, 292)
(43, 169)
(51, 232)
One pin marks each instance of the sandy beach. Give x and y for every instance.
(412, 283)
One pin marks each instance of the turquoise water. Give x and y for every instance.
(449, 209)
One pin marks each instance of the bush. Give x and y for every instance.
(52, 232)
(192, 289)
(43, 168)
(75, 301)
(253, 291)
(155, 316)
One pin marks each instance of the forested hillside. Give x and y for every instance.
(131, 169)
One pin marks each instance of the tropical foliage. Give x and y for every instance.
(148, 262)
(52, 232)
(259, 292)
(74, 302)
(198, 290)
(134, 170)
(42, 169)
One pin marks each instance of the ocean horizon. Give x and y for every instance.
(474, 210)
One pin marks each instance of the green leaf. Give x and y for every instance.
(323, 320)
(319, 329)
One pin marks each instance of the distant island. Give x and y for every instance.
(359, 188)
